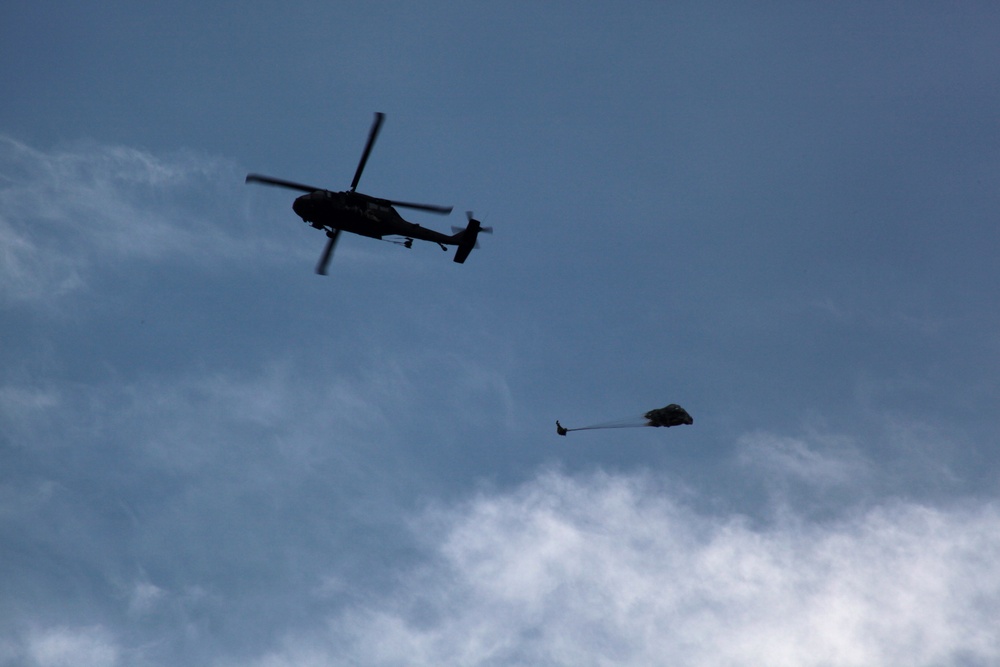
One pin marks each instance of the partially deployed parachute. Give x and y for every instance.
(671, 415)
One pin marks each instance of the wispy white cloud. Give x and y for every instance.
(614, 570)
(146, 499)
(275, 420)
(65, 212)
(144, 597)
(70, 647)
(821, 461)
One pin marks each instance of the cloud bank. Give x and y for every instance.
(616, 570)
(584, 569)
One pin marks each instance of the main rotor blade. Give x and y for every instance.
(376, 126)
(324, 259)
(267, 180)
(445, 210)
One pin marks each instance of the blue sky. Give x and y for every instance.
(783, 218)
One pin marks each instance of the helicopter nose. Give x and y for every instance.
(302, 206)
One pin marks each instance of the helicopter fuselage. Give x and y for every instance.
(361, 214)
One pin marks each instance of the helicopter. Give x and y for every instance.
(358, 213)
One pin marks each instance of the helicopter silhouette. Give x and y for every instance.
(358, 213)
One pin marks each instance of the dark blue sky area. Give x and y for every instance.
(782, 218)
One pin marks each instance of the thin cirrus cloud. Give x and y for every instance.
(64, 212)
(90, 646)
(821, 461)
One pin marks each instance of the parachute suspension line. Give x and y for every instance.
(630, 423)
